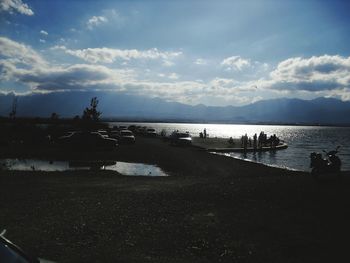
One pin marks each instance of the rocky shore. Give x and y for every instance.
(210, 209)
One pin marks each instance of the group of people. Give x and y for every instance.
(259, 141)
(203, 134)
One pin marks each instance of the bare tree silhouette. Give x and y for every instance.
(92, 113)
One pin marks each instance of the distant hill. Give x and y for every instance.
(120, 106)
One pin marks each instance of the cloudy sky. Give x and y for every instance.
(210, 52)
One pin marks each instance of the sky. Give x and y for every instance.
(215, 53)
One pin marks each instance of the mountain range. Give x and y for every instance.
(130, 107)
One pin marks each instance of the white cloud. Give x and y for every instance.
(323, 76)
(168, 63)
(110, 55)
(19, 53)
(41, 76)
(235, 63)
(95, 21)
(343, 94)
(42, 40)
(317, 73)
(43, 32)
(73, 77)
(173, 76)
(12, 6)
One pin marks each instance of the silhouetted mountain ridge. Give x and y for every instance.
(121, 106)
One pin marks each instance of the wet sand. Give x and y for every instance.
(211, 209)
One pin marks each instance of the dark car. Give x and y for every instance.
(126, 136)
(104, 133)
(123, 136)
(150, 132)
(9, 252)
(87, 140)
(181, 138)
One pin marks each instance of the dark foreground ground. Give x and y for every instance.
(211, 209)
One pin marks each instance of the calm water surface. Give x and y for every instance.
(302, 140)
(125, 168)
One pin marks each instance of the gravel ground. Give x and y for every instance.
(210, 209)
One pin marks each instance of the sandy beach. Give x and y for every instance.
(210, 208)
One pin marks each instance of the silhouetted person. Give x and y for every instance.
(245, 142)
(261, 139)
(255, 141)
(205, 133)
(230, 141)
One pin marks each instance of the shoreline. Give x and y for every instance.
(55, 154)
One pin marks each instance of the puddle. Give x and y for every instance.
(131, 169)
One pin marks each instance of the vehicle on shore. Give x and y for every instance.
(87, 140)
(331, 163)
(139, 130)
(10, 252)
(123, 136)
(180, 139)
(150, 132)
(104, 133)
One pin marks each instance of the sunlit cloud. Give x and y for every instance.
(300, 77)
(110, 55)
(235, 63)
(318, 73)
(96, 21)
(43, 32)
(173, 76)
(12, 6)
(19, 53)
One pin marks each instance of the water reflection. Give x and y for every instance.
(131, 169)
(90, 165)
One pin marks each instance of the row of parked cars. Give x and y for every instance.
(109, 139)
(100, 139)
(142, 130)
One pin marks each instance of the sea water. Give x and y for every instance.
(301, 140)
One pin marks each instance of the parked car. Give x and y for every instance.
(126, 136)
(87, 140)
(132, 128)
(150, 132)
(113, 134)
(141, 130)
(123, 136)
(10, 252)
(181, 138)
(104, 133)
